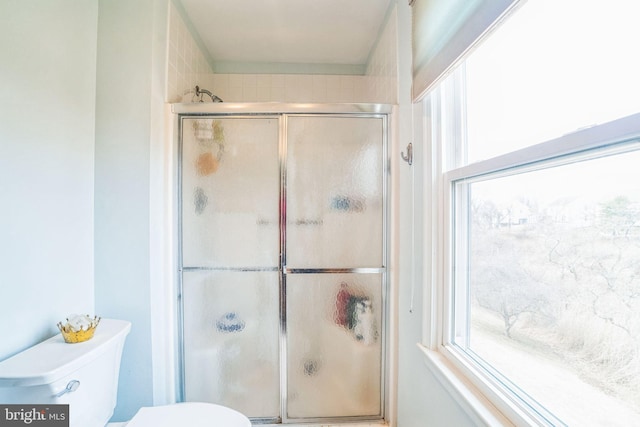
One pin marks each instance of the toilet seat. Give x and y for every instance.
(192, 414)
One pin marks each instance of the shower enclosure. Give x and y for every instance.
(283, 259)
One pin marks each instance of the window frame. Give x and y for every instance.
(481, 396)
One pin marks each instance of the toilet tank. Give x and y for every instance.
(83, 375)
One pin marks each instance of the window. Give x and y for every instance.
(537, 139)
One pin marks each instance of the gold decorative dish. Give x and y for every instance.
(78, 328)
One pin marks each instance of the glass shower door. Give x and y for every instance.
(335, 271)
(230, 263)
(283, 264)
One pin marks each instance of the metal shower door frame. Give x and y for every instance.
(283, 112)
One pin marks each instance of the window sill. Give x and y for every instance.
(475, 404)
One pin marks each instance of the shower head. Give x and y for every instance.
(199, 93)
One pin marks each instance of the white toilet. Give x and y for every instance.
(85, 376)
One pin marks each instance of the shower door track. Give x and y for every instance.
(282, 111)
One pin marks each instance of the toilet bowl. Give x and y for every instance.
(85, 376)
(192, 414)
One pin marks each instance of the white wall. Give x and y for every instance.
(421, 401)
(47, 88)
(130, 93)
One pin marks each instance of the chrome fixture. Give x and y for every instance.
(200, 92)
(409, 156)
(71, 387)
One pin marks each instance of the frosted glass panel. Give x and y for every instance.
(334, 351)
(231, 340)
(230, 192)
(231, 202)
(334, 192)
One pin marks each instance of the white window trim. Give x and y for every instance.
(483, 402)
(472, 400)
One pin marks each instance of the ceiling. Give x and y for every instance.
(287, 34)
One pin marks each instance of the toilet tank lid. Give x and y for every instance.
(53, 359)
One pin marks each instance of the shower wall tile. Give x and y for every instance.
(236, 80)
(290, 88)
(185, 61)
(319, 88)
(382, 69)
(277, 80)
